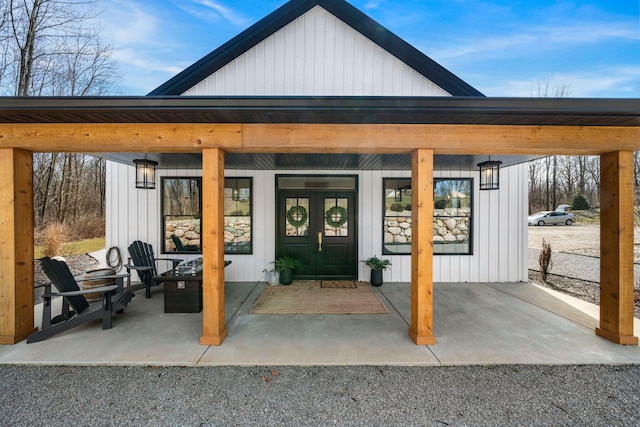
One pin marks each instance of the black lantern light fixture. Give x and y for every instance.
(490, 174)
(145, 173)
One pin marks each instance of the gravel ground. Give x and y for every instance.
(585, 290)
(302, 396)
(583, 271)
(312, 396)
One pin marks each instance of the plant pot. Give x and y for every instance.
(274, 278)
(376, 277)
(286, 277)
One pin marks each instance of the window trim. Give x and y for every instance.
(385, 251)
(250, 179)
(435, 180)
(162, 215)
(471, 215)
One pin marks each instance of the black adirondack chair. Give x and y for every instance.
(76, 310)
(182, 248)
(144, 262)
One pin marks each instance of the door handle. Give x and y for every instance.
(320, 241)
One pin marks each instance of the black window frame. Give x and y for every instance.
(385, 251)
(249, 251)
(471, 214)
(163, 225)
(400, 188)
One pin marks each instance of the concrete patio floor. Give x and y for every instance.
(474, 323)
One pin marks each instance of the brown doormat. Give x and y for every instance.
(308, 297)
(339, 284)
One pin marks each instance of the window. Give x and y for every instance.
(181, 201)
(452, 217)
(237, 216)
(397, 216)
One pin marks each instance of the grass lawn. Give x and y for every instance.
(76, 248)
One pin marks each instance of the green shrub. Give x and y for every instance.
(579, 203)
(407, 207)
(440, 204)
(397, 207)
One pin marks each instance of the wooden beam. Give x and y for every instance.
(319, 138)
(214, 330)
(616, 248)
(16, 250)
(421, 329)
(119, 137)
(443, 139)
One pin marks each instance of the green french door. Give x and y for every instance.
(319, 229)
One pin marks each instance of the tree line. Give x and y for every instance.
(54, 48)
(558, 180)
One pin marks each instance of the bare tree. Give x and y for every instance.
(546, 87)
(54, 48)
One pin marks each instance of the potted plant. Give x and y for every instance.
(285, 266)
(377, 266)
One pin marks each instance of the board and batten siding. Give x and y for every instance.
(316, 55)
(499, 224)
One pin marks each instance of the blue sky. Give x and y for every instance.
(501, 47)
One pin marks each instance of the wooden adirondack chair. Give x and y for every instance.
(75, 308)
(144, 262)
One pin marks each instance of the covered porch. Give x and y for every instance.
(421, 128)
(476, 323)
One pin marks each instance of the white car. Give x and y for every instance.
(551, 218)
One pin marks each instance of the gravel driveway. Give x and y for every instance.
(583, 239)
(321, 396)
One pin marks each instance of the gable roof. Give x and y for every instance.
(291, 11)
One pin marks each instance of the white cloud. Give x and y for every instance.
(541, 38)
(132, 57)
(372, 4)
(127, 23)
(141, 41)
(225, 12)
(615, 82)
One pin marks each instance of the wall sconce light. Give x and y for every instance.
(145, 173)
(490, 174)
(235, 195)
(398, 196)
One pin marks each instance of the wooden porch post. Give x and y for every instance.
(421, 329)
(16, 250)
(213, 326)
(616, 247)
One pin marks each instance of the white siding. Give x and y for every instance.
(134, 214)
(499, 227)
(499, 233)
(316, 55)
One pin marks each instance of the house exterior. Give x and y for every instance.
(330, 49)
(317, 133)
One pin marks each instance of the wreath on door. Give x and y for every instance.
(336, 216)
(297, 216)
